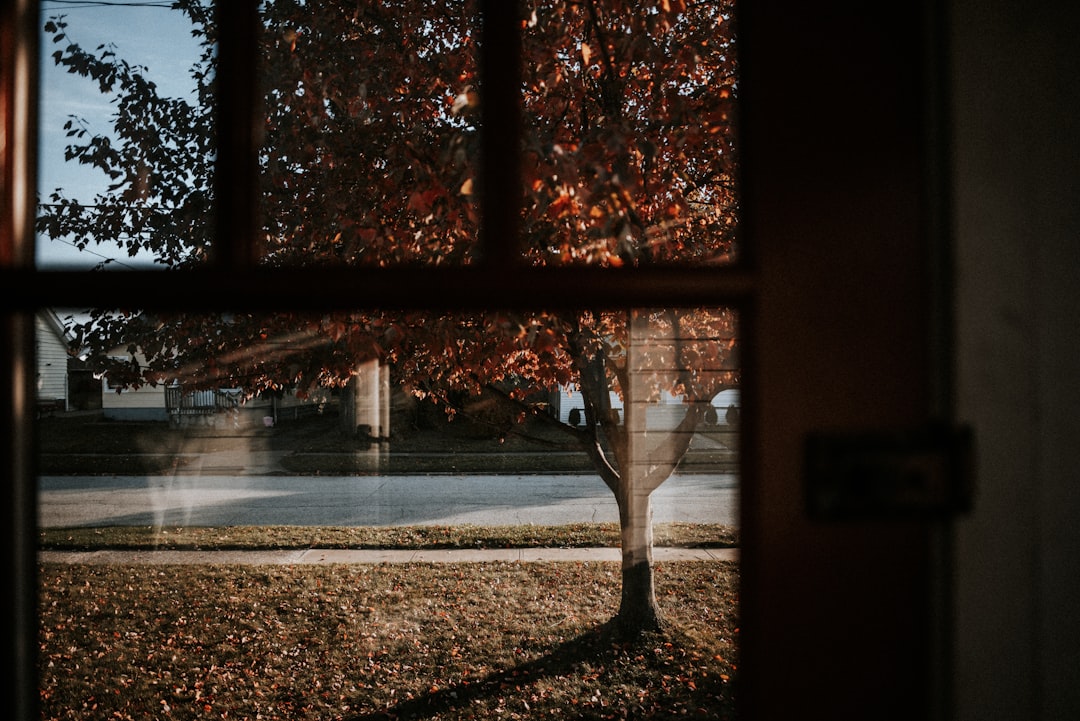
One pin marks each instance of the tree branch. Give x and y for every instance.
(605, 58)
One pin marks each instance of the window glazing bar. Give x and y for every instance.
(238, 120)
(469, 287)
(18, 557)
(500, 132)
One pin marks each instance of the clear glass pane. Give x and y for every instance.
(521, 436)
(372, 139)
(630, 148)
(125, 158)
(371, 146)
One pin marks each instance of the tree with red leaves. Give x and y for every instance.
(370, 158)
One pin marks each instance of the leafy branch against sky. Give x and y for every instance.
(149, 34)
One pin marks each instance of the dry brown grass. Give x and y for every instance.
(574, 535)
(464, 641)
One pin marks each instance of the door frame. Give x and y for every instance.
(846, 210)
(842, 295)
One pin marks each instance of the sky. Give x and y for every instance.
(145, 33)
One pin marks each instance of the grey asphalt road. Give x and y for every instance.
(229, 500)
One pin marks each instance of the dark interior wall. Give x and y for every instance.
(1016, 176)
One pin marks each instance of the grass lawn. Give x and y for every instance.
(425, 641)
(486, 641)
(576, 535)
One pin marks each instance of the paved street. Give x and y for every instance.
(230, 500)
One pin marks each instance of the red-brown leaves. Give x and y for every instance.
(470, 641)
(371, 156)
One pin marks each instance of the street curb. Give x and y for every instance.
(326, 556)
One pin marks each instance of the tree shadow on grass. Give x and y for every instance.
(600, 674)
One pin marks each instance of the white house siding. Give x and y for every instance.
(725, 400)
(146, 403)
(52, 358)
(142, 404)
(569, 397)
(663, 415)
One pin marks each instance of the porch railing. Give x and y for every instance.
(180, 401)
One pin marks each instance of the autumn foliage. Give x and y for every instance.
(370, 156)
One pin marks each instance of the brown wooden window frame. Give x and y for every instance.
(233, 280)
(843, 155)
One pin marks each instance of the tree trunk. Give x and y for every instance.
(638, 610)
(644, 460)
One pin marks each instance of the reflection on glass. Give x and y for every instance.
(402, 429)
(624, 398)
(628, 390)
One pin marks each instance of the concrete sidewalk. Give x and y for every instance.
(315, 556)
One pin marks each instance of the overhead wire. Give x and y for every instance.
(106, 3)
